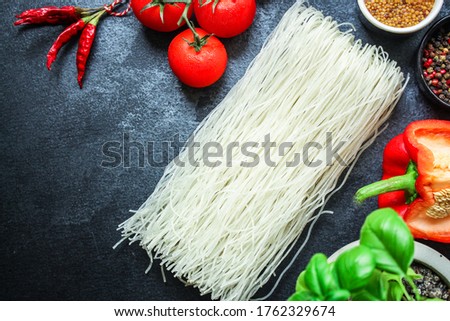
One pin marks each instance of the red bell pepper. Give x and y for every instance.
(416, 179)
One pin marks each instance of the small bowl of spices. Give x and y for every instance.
(433, 63)
(400, 17)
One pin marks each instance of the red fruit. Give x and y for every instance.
(195, 68)
(151, 17)
(227, 19)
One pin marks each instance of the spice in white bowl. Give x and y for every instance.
(399, 13)
(400, 17)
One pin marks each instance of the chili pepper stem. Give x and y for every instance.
(405, 182)
(95, 17)
(85, 12)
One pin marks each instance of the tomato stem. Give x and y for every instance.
(216, 2)
(198, 42)
(162, 3)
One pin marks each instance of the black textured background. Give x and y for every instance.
(60, 208)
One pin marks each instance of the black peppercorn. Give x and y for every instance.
(436, 65)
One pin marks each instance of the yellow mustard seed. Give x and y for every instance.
(399, 13)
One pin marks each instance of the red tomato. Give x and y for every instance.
(151, 17)
(230, 17)
(197, 69)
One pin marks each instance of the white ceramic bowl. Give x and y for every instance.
(371, 21)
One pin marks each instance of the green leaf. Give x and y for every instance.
(318, 276)
(395, 291)
(413, 275)
(390, 240)
(364, 295)
(354, 268)
(303, 296)
(338, 295)
(300, 285)
(375, 290)
(392, 277)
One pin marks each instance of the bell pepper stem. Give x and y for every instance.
(404, 182)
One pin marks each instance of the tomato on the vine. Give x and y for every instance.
(225, 18)
(159, 16)
(197, 63)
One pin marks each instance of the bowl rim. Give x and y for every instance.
(401, 31)
(422, 82)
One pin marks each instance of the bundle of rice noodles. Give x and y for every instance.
(225, 227)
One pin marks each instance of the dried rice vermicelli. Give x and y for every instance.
(225, 229)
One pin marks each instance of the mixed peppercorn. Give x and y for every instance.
(399, 13)
(436, 65)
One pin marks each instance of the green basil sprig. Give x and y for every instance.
(372, 271)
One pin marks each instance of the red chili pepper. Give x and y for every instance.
(68, 33)
(49, 15)
(85, 44)
(33, 12)
(416, 179)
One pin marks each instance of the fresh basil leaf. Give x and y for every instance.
(413, 275)
(390, 280)
(390, 240)
(354, 268)
(338, 295)
(392, 277)
(318, 276)
(363, 295)
(375, 290)
(304, 296)
(395, 291)
(300, 285)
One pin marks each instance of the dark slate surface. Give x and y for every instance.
(60, 208)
